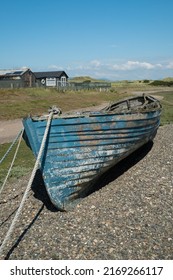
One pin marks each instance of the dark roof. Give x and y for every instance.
(13, 72)
(50, 74)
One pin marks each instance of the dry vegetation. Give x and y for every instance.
(21, 102)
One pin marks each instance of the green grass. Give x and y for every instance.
(167, 107)
(23, 163)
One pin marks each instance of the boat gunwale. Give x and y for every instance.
(143, 108)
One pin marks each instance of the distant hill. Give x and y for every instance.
(168, 79)
(83, 79)
(165, 82)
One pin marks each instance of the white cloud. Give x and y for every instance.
(24, 67)
(132, 65)
(55, 67)
(111, 69)
(95, 63)
(170, 65)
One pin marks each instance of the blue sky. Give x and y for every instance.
(113, 39)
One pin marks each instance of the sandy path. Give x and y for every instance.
(9, 130)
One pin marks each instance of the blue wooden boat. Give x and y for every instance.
(83, 145)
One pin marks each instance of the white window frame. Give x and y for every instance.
(63, 81)
(51, 82)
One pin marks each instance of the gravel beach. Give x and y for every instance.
(128, 216)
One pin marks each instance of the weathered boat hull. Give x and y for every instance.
(80, 148)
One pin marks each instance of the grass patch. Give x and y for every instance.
(23, 164)
(18, 103)
(167, 106)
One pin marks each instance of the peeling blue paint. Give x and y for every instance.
(81, 147)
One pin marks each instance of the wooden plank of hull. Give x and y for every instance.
(80, 149)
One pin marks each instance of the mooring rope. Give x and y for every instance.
(11, 146)
(7, 237)
(14, 157)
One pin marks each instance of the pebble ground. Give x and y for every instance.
(128, 216)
